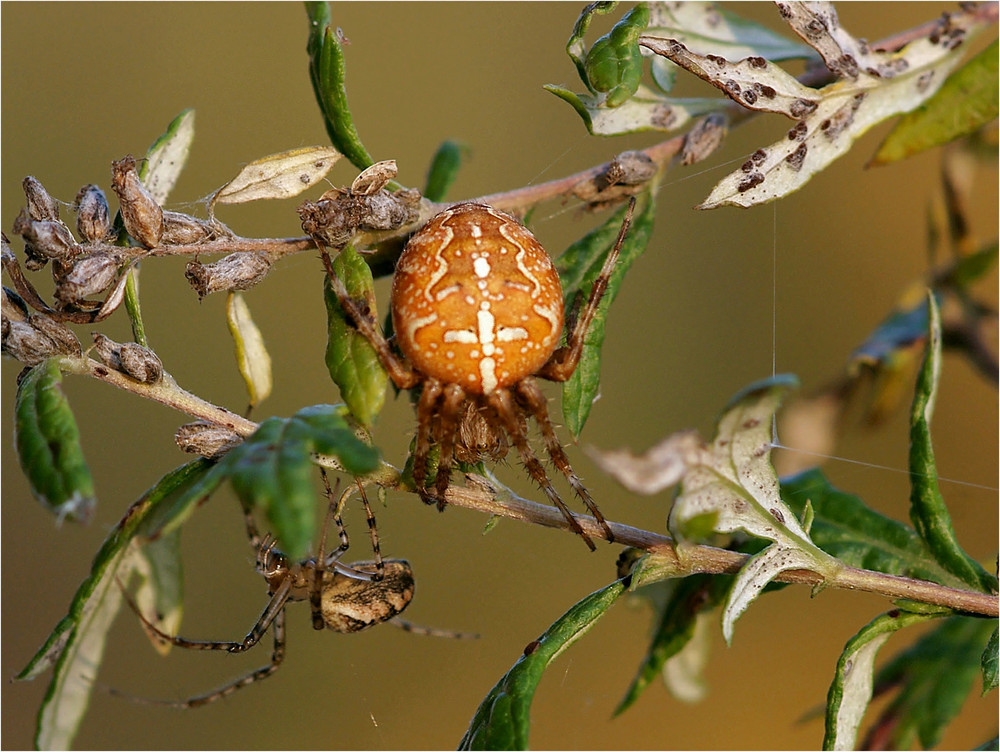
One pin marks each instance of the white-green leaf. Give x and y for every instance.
(873, 85)
(167, 157)
(251, 353)
(851, 690)
(683, 673)
(280, 175)
(160, 592)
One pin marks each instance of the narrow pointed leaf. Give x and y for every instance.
(167, 156)
(76, 645)
(967, 101)
(281, 175)
(934, 676)
(989, 663)
(503, 719)
(578, 267)
(160, 593)
(351, 360)
(48, 445)
(851, 690)
(444, 167)
(328, 74)
(928, 510)
(251, 354)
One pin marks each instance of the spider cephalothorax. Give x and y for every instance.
(477, 310)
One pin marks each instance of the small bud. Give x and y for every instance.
(183, 229)
(237, 271)
(41, 206)
(139, 362)
(206, 439)
(88, 276)
(48, 239)
(142, 216)
(93, 219)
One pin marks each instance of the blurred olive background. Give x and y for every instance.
(84, 84)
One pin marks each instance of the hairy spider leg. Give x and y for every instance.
(563, 362)
(503, 405)
(417, 629)
(401, 373)
(426, 406)
(452, 402)
(530, 395)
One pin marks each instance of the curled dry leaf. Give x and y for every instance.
(280, 175)
(873, 85)
(374, 178)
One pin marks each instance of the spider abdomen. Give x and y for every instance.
(476, 300)
(351, 605)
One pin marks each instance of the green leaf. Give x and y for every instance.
(251, 354)
(989, 663)
(76, 644)
(928, 510)
(351, 360)
(502, 720)
(614, 64)
(970, 268)
(167, 156)
(160, 593)
(444, 167)
(48, 445)
(851, 690)
(967, 101)
(845, 527)
(272, 470)
(575, 47)
(935, 676)
(683, 602)
(578, 267)
(327, 73)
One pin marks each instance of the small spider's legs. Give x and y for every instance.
(373, 533)
(503, 405)
(426, 407)
(277, 656)
(332, 513)
(564, 361)
(454, 398)
(531, 396)
(409, 626)
(359, 312)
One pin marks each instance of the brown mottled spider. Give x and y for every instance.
(477, 310)
(344, 598)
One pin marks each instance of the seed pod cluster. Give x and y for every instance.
(366, 206)
(139, 362)
(33, 337)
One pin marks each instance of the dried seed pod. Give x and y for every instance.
(93, 218)
(373, 179)
(237, 271)
(37, 338)
(142, 216)
(139, 362)
(41, 206)
(12, 305)
(47, 239)
(183, 229)
(623, 176)
(88, 276)
(704, 138)
(206, 439)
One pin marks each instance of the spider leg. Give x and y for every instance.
(402, 375)
(503, 405)
(454, 398)
(274, 608)
(564, 360)
(532, 397)
(373, 532)
(332, 513)
(409, 626)
(429, 397)
(277, 656)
